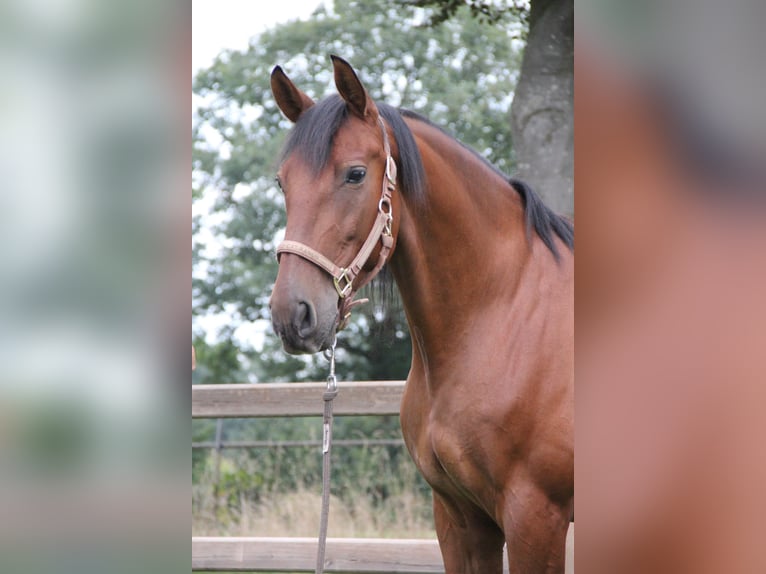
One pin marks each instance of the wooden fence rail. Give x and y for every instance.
(294, 399)
(299, 555)
(240, 444)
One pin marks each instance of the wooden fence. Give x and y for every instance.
(294, 399)
(299, 554)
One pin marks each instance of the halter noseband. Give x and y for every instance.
(344, 277)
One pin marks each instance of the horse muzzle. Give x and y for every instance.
(302, 328)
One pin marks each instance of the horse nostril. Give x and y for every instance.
(305, 319)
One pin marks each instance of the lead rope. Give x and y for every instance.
(330, 393)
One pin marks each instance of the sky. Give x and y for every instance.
(229, 24)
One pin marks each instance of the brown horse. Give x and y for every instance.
(485, 272)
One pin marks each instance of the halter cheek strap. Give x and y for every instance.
(344, 277)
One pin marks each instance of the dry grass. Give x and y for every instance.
(297, 514)
(280, 511)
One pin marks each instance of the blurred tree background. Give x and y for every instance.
(457, 63)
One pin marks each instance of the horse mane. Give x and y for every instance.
(543, 219)
(537, 216)
(313, 137)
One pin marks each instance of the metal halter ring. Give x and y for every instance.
(384, 207)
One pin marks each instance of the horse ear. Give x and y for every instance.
(352, 91)
(290, 99)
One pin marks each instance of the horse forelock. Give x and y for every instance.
(313, 137)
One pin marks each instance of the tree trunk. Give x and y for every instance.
(542, 119)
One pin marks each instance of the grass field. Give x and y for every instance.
(297, 514)
(236, 507)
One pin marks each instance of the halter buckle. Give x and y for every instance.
(343, 283)
(384, 206)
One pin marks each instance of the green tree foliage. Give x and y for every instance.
(489, 12)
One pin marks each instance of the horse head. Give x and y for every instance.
(340, 224)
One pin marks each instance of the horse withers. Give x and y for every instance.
(485, 272)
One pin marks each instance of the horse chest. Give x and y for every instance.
(451, 445)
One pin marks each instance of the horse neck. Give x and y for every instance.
(464, 249)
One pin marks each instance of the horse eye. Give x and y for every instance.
(279, 183)
(356, 175)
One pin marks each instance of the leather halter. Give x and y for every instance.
(344, 277)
